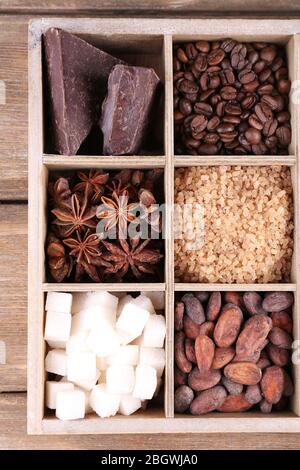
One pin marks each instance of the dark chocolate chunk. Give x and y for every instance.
(77, 77)
(126, 109)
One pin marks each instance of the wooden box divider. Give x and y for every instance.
(135, 34)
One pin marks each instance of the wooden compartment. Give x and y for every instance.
(156, 36)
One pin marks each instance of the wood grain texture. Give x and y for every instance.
(13, 298)
(184, 7)
(13, 436)
(13, 112)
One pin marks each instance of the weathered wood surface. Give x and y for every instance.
(180, 7)
(13, 109)
(13, 295)
(13, 436)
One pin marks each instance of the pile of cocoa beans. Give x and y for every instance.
(233, 351)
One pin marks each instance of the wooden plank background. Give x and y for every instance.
(14, 15)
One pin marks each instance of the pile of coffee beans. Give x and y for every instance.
(231, 98)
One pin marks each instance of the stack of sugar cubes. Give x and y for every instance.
(108, 350)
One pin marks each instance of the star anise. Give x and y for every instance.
(116, 212)
(133, 255)
(84, 249)
(93, 183)
(60, 264)
(60, 194)
(78, 217)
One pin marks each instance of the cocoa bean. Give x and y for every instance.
(207, 328)
(253, 336)
(277, 301)
(190, 350)
(228, 325)
(265, 406)
(190, 328)
(235, 298)
(245, 373)
(183, 397)
(288, 388)
(199, 382)
(180, 357)
(180, 378)
(235, 404)
(280, 357)
(283, 320)
(213, 306)
(253, 303)
(232, 388)
(204, 351)
(272, 384)
(280, 338)
(193, 308)
(208, 400)
(253, 394)
(222, 357)
(202, 296)
(178, 316)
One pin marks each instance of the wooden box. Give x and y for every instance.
(149, 41)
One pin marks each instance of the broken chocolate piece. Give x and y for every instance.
(126, 108)
(77, 77)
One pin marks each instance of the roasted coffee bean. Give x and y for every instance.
(202, 46)
(270, 127)
(203, 108)
(228, 93)
(185, 106)
(246, 76)
(253, 135)
(213, 123)
(268, 54)
(199, 123)
(263, 112)
(191, 51)
(240, 91)
(181, 56)
(284, 135)
(255, 122)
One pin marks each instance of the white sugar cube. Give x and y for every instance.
(104, 403)
(157, 299)
(132, 321)
(145, 303)
(70, 405)
(58, 326)
(77, 343)
(56, 362)
(79, 302)
(52, 389)
(57, 344)
(145, 382)
(101, 363)
(154, 357)
(59, 302)
(120, 379)
(88, 408)
(122, 302)
(129, 404)
(102, 299)
(82, 321)
(127, 355)
(81, 366)
(154, 332)
(87, 385)
(103, 341)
